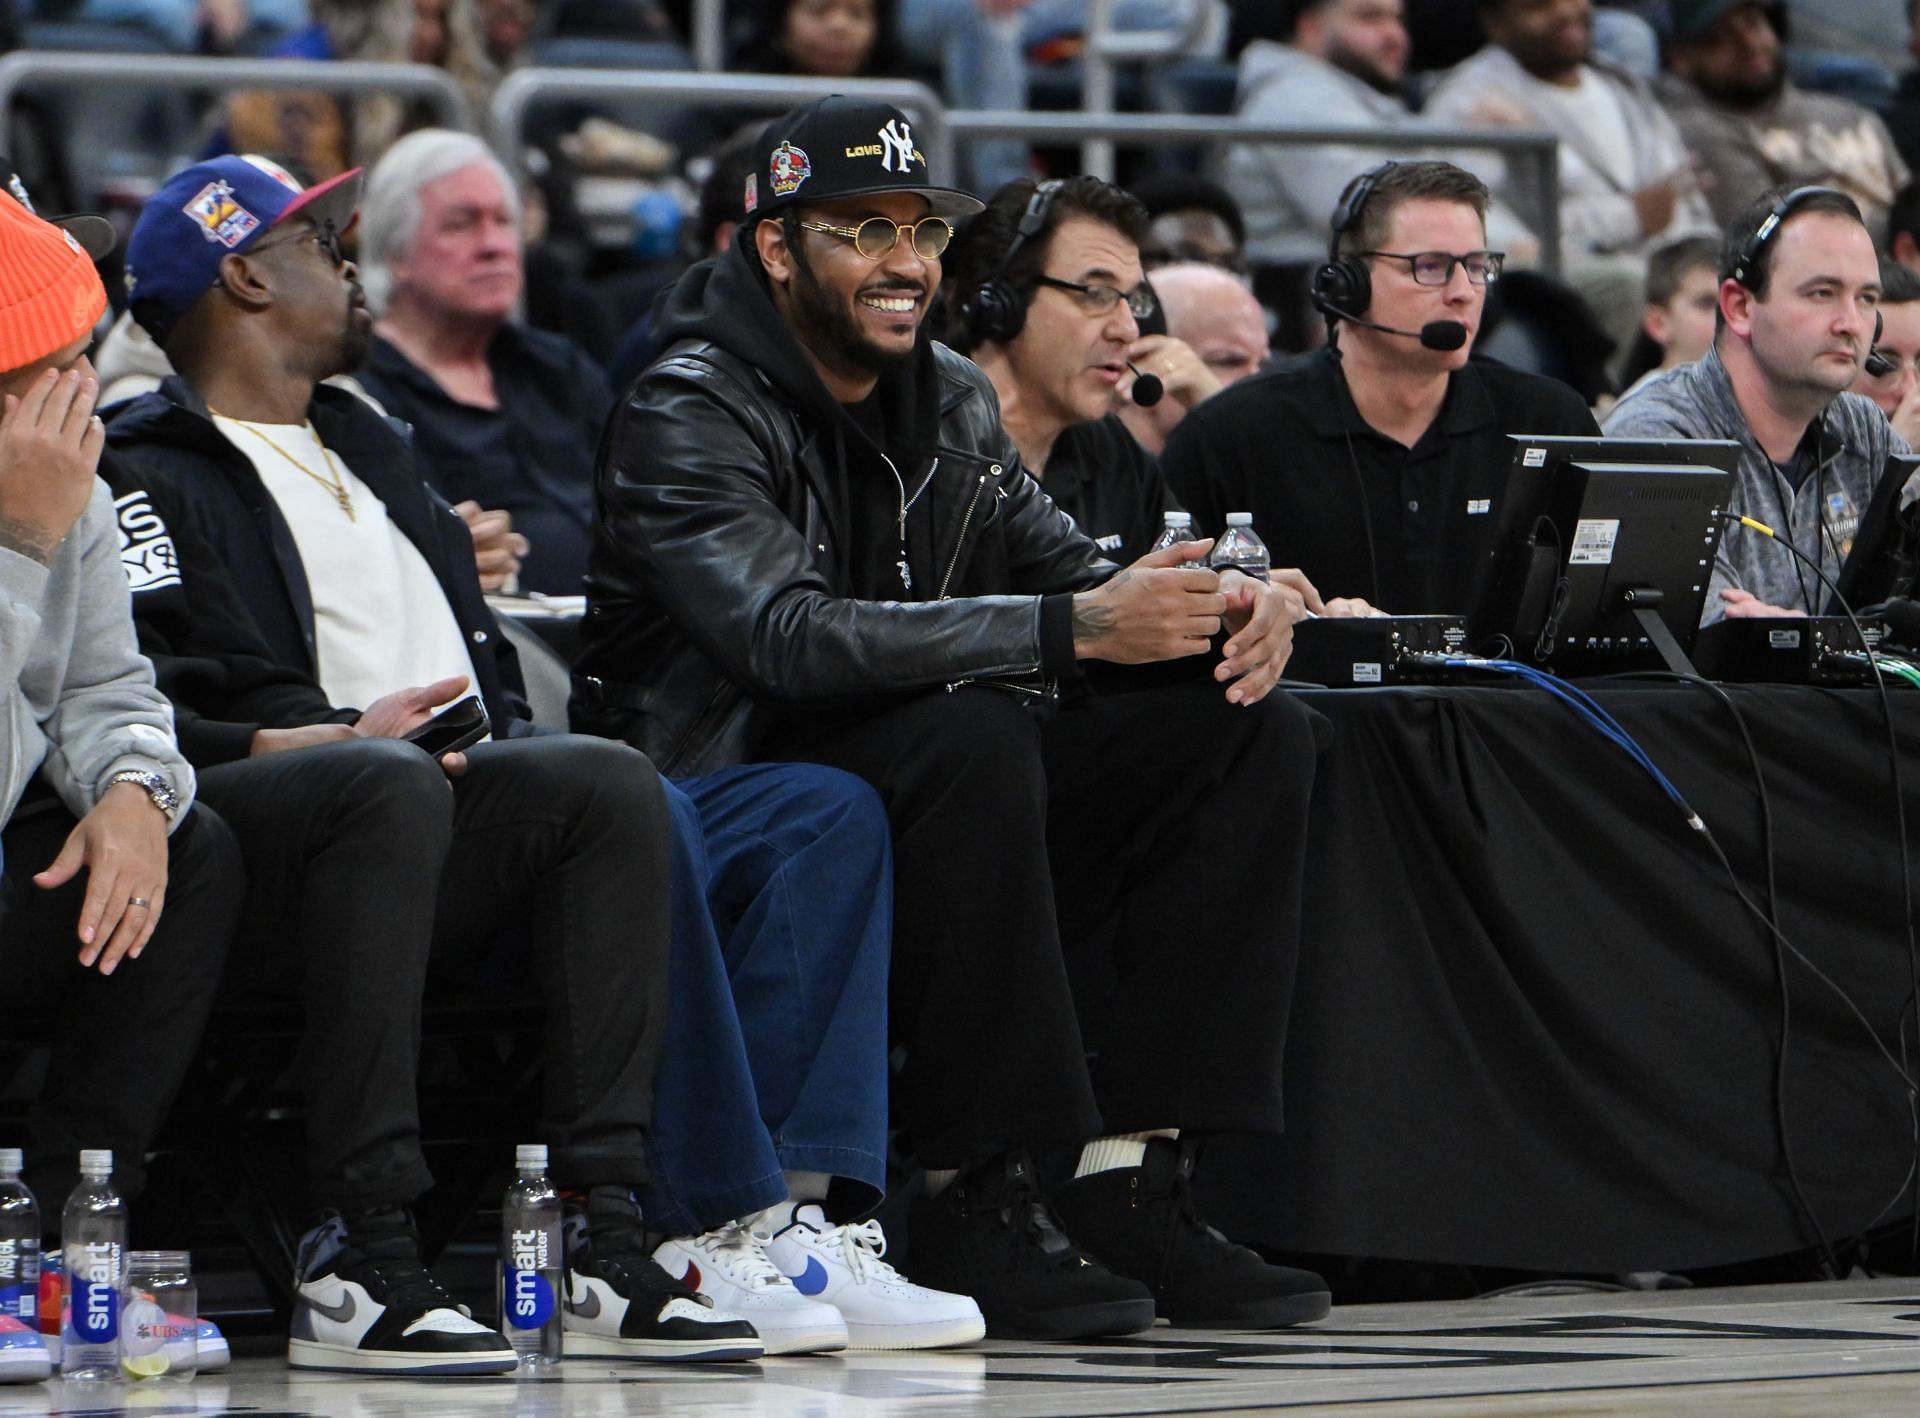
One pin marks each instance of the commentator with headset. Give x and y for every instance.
(1374, 464)
(1799, 297)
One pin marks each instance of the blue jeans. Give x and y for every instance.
(776, 1048)
(983, 62)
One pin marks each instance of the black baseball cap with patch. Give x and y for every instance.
(843, 147)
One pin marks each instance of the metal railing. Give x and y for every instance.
(709, 35)
(1532, 155)
(1106, 48)
(54, 69)
(521, 90)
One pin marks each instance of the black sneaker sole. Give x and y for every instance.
(1280, 1312)
(1073, 1321)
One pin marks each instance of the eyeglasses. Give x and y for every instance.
(1099, 298)
(1435, 268)
(876, 237)
(327, 238)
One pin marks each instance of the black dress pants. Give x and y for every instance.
(122, 1042)
(1096, 909)
(539, 877)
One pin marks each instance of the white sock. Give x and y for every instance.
(1127, 1149)
(808, 1186)
(938, 1182)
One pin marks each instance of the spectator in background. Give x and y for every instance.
(1903, 113)
(1683, 302)
(981, 47)
(1332, 63)
(826, 39)
(216, 26)
(318, 137)
(1217, 317)
(505, 417)
(1898, 391)
(722, 207)
(1752, 128)
(1192, 218)
(1902, 235)
(1626, 179)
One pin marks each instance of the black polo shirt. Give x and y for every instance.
(1099, 475)
(1290, 447)
(532, 456)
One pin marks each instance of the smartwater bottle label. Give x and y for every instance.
(96, 1296)
(529, 1299)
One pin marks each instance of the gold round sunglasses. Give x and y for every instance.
(876, 237)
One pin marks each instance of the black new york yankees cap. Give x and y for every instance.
(843, 147)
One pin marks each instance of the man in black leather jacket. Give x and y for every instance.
(814, 541)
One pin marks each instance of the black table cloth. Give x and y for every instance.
(1535, 1028)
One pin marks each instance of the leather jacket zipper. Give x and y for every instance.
(966, 521)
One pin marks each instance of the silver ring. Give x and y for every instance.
(138, 901)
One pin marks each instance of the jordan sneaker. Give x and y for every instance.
(620, 1304)
(365, 1302)
(842, 1265)
(730, 1267)
(991, 1235)
(1140, 1221)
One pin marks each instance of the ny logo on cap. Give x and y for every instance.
(898, 140)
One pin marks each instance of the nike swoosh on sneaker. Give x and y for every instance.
(812, 1280)
(692, 1278)
(341, 1313)
(587, 1309)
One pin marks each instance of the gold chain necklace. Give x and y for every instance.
(333, 483)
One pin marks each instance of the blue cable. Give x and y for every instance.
(1594, 715)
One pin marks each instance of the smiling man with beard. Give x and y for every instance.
(816, 542)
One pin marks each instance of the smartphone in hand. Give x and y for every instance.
(460, 725)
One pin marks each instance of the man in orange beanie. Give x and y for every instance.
(117, 897)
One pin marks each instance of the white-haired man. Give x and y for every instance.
(1213, 313)
(505, 417)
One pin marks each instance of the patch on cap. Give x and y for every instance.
(220, 217)
(788, 168)
(751, 198)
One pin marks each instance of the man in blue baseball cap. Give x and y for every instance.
(815, 540)
(317, 570)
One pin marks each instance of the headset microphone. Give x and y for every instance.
(1878, 365)
(1434, 335)
(1148, 389)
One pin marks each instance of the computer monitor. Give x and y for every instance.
(1608, 549)
(1885, 558)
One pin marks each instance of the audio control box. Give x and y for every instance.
(1363, 652)
(1801, 649)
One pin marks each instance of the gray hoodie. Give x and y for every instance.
(77, 699)
(1821, 516)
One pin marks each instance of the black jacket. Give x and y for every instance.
(724, 584)
(226, 615)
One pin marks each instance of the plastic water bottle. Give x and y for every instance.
(19, 1244)
(530, 1260)
(1240, 549)
(93, 1236)
(1178, 528)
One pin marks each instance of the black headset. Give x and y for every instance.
(1344, 286)
(1747, 263)
(996, 311)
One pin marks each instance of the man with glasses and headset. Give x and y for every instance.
(1373, 465)
(816, 542)
(1051, 301)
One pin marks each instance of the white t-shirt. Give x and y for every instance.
(380, 620)
(1592, 108)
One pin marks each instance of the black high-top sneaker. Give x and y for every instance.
(366, 1302)
(1141, 1222)
(621, 1305)
(992, 1235)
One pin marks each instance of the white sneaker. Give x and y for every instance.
(730, 1268)
(842, 1265)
